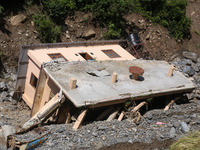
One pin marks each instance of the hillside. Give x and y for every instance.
(81, 26)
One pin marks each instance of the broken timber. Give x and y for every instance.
(173, 101)
(41, 115)
(80, 119)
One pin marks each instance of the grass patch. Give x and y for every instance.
(190, 142)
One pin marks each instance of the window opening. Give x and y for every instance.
(86, 56)
(57, 56)
(111, 53)
(33, 80)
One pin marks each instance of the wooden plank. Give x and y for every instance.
(80, 119)
(39, 92)
(106, 112)
(114, 114)
(121, 116)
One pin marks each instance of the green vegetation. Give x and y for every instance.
(107, 13)
(59, 9)
(48, 31)
(190, 142)
(169, 13)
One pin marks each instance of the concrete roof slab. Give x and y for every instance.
(94, 84)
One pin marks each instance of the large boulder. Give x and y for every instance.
(89, 34)
(190, 55)
(16, 20)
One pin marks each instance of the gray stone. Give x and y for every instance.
(16, 20)
(7, 130)
(184, 127)
(186, 62)
(189, 70)
(197, 67)
(3, 86)
(89, 34)
(190, 55)
(197, 96)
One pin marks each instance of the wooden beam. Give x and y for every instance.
(139, 106)
(121, 116)
(80, 119)
(114, 114)
(39, 92)
(105, 112)
(172, 101)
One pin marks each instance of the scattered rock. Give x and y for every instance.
(190, 55)
(189, 70)
(7, 130)
(172, 133)
(184, 127)
(16, 20)
(89, 34)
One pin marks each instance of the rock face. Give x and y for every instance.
(89, 34)
(16, 20)
(190, 55)
(7, 130)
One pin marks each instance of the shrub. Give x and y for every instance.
(59, 9)
(169, 13)
(49, 32)
(113, 32)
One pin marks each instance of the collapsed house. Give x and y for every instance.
(66, 79)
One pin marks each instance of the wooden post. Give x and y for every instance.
(106, 112)
(80, 119)
(114, 77)
(72, 83)
(113, 115)
(121, 116)
(171, 70)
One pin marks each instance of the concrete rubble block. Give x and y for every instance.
(89, 34)
(8, 130)
(190, 55)
(16, 20)
(184, 127)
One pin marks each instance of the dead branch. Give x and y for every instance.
(172, 101)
